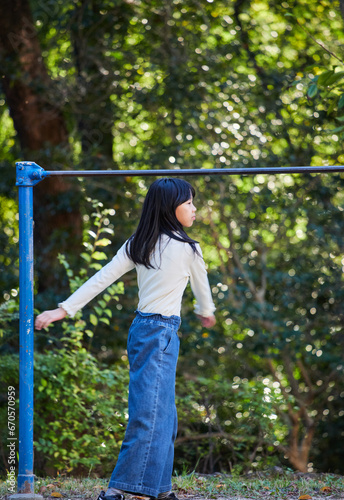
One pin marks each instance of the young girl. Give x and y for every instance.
(165, 258)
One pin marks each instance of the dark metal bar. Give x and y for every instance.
(196, 171)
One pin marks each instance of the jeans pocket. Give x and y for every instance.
(169, 344)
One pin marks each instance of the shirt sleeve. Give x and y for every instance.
(119, 265)
(200, 286)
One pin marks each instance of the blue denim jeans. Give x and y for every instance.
(145, 461)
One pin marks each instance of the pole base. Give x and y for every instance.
(25, 496)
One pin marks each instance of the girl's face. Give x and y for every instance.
(185, 213)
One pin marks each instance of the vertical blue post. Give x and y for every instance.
(25, 473)
(28, 174)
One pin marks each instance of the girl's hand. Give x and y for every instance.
(207, 321)
(43, 320)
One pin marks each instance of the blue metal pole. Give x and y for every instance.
(25, 470)
(28, 174)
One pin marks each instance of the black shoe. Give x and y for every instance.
(170, 496)
(118, 496)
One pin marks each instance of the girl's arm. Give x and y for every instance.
(43, 320)
(110, 273)
(119, 265)
(205, 307)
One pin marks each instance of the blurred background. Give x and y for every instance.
(136, 84)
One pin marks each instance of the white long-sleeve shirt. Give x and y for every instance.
(160, 289)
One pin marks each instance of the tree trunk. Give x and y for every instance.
(301, 425)
(40, 125)
(300, 447)
(25, 79)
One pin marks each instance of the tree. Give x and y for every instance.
(279, 264)
(39, 123)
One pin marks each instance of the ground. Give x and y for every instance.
(273, 484)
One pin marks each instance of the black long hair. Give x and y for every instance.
(159, 217)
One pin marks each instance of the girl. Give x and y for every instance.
(165, 257)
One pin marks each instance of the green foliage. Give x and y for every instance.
(9, 237)
(9, 319)
(81, 408)
(80, 404)
(279, 289)
(101, 312)
(230, 424)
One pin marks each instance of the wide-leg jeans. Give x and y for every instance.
(145, 461)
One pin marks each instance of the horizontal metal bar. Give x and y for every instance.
(196, 171)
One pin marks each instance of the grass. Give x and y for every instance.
(262, 485)
(281, 486)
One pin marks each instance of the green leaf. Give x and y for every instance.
(331, 106)
(312, 91)
(106, 230)
(334, 78)
(108, 312)
(86, 257)
(96, 266)
(104, 242)
(322, 79)
(341, 102)
(335, 130)
(99, 256)
(93, 319)
(117, 55)
(89, 333)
